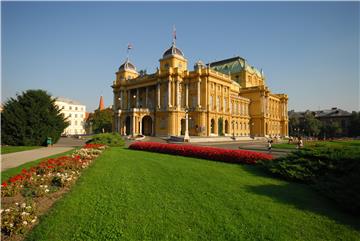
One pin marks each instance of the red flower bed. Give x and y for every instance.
(210, 153)
(93, 146)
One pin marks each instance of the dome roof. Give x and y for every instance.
(127, 66)
(173, 51)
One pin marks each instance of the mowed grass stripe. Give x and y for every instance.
(134, 195)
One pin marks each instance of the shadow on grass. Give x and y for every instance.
(303, 198)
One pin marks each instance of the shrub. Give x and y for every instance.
(109, 139)
(30, 118)
(332, 171)
(210, 153)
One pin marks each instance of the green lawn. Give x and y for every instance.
(16, 170)
(351, 144)
(134, 195)
(10, 149)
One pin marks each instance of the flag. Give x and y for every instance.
(129, 46)
(174, 32)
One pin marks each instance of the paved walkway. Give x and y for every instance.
(18, 158)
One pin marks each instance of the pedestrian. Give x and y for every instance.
(269, 145)
(300, 143)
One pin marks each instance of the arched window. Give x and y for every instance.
(212, 127)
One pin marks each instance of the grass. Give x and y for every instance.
(11, 149)
(351, 144)
(16, 170)
(134, 195)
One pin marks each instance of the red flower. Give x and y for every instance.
(4, 184)
(211, 153)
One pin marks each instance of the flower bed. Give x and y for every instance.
(210, 153)
(41, 181)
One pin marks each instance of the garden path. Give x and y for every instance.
(18, 158)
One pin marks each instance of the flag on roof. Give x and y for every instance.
(174, 32)
(130, 46)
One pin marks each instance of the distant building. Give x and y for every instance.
(329, 116)
(75, 112)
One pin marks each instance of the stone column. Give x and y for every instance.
(121, 99)
(158, 95)
(177, 95)
(140, 130)
(133, 125)
(199, 93)
(169, 93)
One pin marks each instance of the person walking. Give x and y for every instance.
(270, 145)
(300, 143)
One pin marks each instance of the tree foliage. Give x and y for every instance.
(30, 118)
(354, 129)
(100, 121)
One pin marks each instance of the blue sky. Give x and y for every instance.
(309, 50)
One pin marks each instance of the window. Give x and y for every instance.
(225, 104)
(193, 101)
(211, 102)
(166, 66)
(75, 115)
(70, 107)
(76, 108)
(62, 107)
(69, 115)
(217, 103)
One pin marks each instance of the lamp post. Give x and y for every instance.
(118, 116)
(186, 136)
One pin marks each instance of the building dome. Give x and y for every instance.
(173, 51)
(127, 66)
(199, 65)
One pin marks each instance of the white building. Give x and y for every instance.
(74, 111)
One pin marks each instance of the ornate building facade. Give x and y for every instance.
(227, 97)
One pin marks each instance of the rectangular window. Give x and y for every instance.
(70, 107)
(211, 102)
(217, 103)
(76, 108)
(193, 101)
(75, 115)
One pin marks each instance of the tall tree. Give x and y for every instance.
(101, 121)
(30, 118)
(309, 125)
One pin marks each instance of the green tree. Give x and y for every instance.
(354, 128)
(331, 129)
(101, 121)
(309, 125)
(30, 118)
(294, 124)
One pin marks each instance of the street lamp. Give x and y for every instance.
(186, 136)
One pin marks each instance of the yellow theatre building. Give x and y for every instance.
(223, 98)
